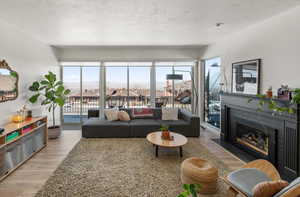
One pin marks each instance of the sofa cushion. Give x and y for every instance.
(123, 116)
(169, 114)
(246, 179)
(142, 113)
(143, 122)
(101, 122)
(111, 114)
(96, 128)
(128, 110)
(142, 127)
(178, 126)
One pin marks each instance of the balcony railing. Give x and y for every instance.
(73, 103)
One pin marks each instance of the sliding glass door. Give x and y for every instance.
(127, 84)
(164, 87)
(83, 81)
(90, 89)
(183, 89)
(212, 104)
(72, 81)
(116, 85)
(139, 85)
(177, 92)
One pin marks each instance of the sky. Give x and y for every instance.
(117, 76)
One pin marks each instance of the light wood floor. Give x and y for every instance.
(28, 179)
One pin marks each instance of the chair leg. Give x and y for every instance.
(231, 192)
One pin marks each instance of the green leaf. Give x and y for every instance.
(194, 193)
(14, 74)
(50, 95)
(67, 91)
(51, 77)
(60, 101)
(42, 88)
(34, 98)
(44, 82)
(59, 83)
(35, 86)
(184, 194)
(198, 186)
(186, 187)
(291, 111)
(60, 90)
(261, 96)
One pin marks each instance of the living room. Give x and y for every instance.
(172, 98)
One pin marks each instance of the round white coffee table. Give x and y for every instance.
(157, 141)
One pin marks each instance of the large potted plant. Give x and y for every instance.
(53, 95)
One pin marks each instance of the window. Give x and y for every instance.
(82, 78)
(183, 90)
(125, 84)
(212, 104)
(174, 93)
(164, 87)
(128, 84)
(90, 89)
(116, 85)
(139, 86)
(71, 79)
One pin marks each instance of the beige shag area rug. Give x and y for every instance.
(123, 168)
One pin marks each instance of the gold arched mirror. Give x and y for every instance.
(8, 82)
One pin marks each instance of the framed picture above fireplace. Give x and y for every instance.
(246, 77)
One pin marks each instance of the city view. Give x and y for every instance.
(125, 87)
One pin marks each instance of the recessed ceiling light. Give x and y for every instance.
(219, 24)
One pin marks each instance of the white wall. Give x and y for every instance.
(126, 53)
(30, 58)
(276, 41)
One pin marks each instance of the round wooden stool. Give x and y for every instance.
(198, 171)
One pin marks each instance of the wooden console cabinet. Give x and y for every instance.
(19, 142)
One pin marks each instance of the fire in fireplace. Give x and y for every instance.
(253, 138)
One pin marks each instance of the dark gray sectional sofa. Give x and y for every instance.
(188, 125)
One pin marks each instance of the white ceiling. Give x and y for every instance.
(136, 22)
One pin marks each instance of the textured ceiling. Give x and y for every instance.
(136, 22)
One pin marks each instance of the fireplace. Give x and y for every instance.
(262, 134)
(256, 139)
(253, 139)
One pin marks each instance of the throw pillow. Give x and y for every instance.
(169, 114)
(268, 188)
(142, 112)
(111, 114)
(123, 116)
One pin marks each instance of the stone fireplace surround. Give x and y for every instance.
(281, 130)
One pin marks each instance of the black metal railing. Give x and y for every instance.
(73, 103)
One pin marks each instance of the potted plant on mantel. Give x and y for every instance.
(54, 95)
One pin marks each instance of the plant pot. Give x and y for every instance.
(166, 134)
(269, 94)
(54, 132)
